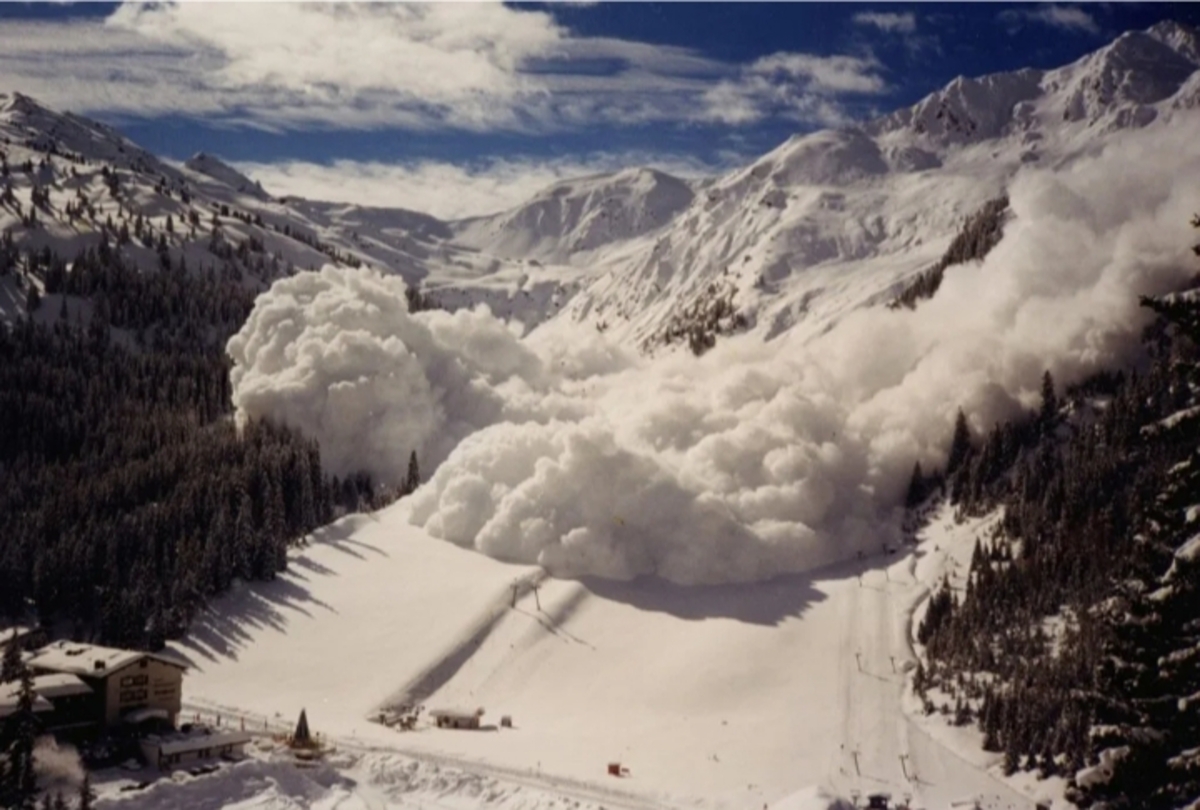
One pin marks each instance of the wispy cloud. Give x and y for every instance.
(477, 67)
(891, 22)
(798, 86)
(1067, 18)
(448, 190)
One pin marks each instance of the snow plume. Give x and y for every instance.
(756, 459)
(58, 767)
(336, 354)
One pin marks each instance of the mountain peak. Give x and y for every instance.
(19, 104)
(582, 214)
(1183, 39)
(219, 170)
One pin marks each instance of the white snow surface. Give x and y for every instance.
(727, 696)
(217, 169)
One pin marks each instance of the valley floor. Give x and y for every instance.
(712, 697)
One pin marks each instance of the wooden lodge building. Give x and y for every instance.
(81, 690)
(90, 688)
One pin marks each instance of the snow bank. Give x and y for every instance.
(755, 460)
(349, 782)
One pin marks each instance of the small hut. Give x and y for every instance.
(456, 718)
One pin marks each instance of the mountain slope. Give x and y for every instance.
(824, 224)
(742, 695)
(206, 164)
(829, 222)
(580, 216)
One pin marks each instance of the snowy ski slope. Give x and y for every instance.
(715, 697)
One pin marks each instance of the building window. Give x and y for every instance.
(131, 695)
(135, 680)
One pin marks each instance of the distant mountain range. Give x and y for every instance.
(826, 223)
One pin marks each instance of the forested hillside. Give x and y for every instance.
(1076, 644)
(127, 495)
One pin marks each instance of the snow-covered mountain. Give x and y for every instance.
(576, 217)
(825, 223)
(831, 221)
(214, 167)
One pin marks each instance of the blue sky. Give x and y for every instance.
(461, 107)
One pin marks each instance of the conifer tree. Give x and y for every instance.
(10, 667)
(18, 787)
(1049, 411)
(916, 488)
(960, 444)
(86, 794)
(413, 479)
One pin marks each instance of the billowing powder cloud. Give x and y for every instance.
(337, 354)
(754, 460)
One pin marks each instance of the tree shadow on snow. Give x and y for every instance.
(228, 624)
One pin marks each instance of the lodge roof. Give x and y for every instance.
(88, 660)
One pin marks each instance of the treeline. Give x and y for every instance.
(127, 495)
(979, 234)
(1076, 644)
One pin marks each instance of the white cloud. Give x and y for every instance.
(473, 66)
(1067, 18)
(891, 22)
(446, 190)
(798, 86)
(756, 459)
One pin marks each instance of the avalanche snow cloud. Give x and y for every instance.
(754, 460)
(336, 354)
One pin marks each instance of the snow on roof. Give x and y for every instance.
(182, 743)
(10, 698)
(20, 629)
(88, 659)
(60, 684)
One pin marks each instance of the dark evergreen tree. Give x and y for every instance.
(916, 488)
(960, 444)
(18, 737)
(1049, 412)
(413, 479)
(127, 496)
(10, 667)
(86, 794)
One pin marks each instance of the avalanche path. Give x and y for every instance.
(716, 697)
